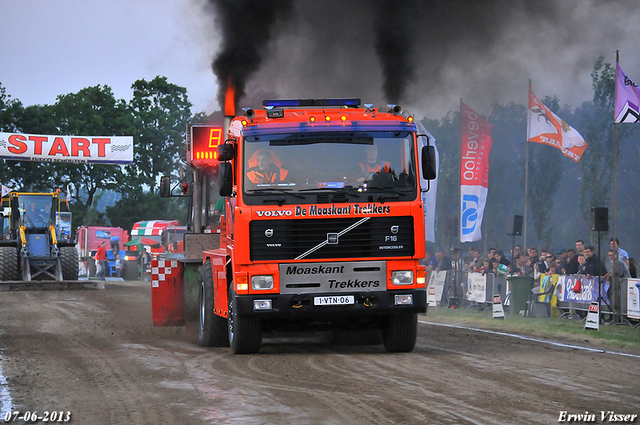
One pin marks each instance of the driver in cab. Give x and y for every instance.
(35, 214)
(370, 165)
(265, 167)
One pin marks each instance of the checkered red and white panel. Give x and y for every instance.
(161, 270)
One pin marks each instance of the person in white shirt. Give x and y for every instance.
(622, 254)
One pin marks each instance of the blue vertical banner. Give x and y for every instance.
(429, 197)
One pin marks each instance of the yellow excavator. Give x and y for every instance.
(36, 242)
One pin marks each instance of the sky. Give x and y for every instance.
(59, 47)
(480, 52)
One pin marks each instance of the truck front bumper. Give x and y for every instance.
(305, 305)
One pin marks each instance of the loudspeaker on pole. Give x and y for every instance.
(599, 219)
(451, 227)
(514, 225)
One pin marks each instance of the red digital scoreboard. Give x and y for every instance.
(204, 143)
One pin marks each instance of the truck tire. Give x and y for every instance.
(69, 262)
(130, 270)
(212, 328)
(8, 263)
(399, 332)
(90, 266)
(245, 333)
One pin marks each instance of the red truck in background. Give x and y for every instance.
(153, 230)
(89, 239)
(149, 239)
(172, 239)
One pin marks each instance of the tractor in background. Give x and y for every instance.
(36, 241)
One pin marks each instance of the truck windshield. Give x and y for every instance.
(357, 164)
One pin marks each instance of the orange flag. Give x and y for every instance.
(546, 127)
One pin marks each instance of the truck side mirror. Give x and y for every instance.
(225, 152)
(429, 162)
(165, 186)
(225, 178)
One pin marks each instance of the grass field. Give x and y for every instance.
(570, 331)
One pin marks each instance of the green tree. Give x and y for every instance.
(545, 170)
(160, 111)
(505, 192)
(23, 175)
(32, 176)
(597, 129)
(10, 111)
(93, 111)
(447, 134)
(141, 206)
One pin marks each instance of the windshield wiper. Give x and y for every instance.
(383, 193)
(348, 190)
(273, 190)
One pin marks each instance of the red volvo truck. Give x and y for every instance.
(321, 221)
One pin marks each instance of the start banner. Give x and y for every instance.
(77, 149)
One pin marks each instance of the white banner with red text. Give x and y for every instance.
(633, 298)
(75, 149)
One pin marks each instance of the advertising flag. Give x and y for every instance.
(627, 98)
(547, 128)
(474, 173)
(75, 149)
(5, 190)
(429, 197)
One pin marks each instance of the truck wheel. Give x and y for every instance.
(399, 332)
(129, 271)
(245, 333)
(69, 262)
(8, 263)
(92, 267)
(212, 328)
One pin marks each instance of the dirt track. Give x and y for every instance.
(96, 354)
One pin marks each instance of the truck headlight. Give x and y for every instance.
(402, 277)
(262, 283)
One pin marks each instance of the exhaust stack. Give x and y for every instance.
(229, 105)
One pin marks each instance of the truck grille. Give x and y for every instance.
(362, 237)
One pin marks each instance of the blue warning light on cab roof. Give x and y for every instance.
(312, 102)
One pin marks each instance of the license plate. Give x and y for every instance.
(337, 300)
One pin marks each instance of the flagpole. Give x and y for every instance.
(616, 292)
(460, 179)
(526, 169)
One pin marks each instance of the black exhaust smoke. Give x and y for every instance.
(417, 44)
(395, 44)
(247, 27)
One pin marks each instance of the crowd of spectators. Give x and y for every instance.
(582, 260)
